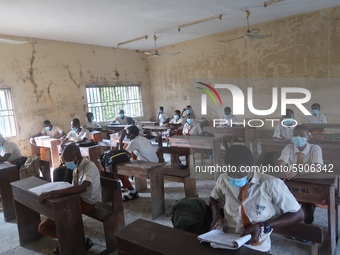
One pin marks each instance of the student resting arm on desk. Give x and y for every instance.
(285, 133)
(249, 200)
(191, 127)
(297, 156)
(9, 151)
(77, 134)
(49, 130)
(86, 182)
(90, 123)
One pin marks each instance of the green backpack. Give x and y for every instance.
(191, 214)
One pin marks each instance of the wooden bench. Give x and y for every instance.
(112, 215)
(302, 231)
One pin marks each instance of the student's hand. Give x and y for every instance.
(255, 231)
(43, 196)
(219, 222)
(288, 175)
(32, 141)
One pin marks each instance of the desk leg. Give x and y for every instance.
(216, 151)
(331, 218)
(7, 176)
(55, 154)
(255, 152)
(70, 230)
(94, 155)
(27, 221)
(157, 191)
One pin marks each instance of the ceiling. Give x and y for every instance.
(108, 22)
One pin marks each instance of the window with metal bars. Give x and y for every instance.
(106, 101)
(7, 117)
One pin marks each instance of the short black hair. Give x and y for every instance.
(130, 120)
(316, 105)
(289, 111)
(133, 130)
(227, 109)
(76, 121)
(47, 122)
(178, 112)
(301, 127)
(238, 155)
(121, 111)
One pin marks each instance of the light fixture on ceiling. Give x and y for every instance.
(132, 40)
(271, 2)
(219, 16)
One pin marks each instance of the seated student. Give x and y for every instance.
(129, 122)
(86, 182)
(9, 151)
(285, 133)
(90, 123)
(300, 152)
(175, 124)
(120, 119)
(51, 131)
(77, 134)
(186, 111)
(231, 119)
(317, 118)
(162, 117)
(249, 200)
(191, 127)
(142, 148)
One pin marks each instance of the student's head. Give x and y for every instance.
(89, 116)
(75, 124)
(188, 109)
(2, 140)
(161, 109)
(121, 114)
(72, 156)
(238, 157)
(289, 117)
(315, 109)
(130, 121)
(177, 114)
(191, 118)
(132, 132)
(47, 125)
(227, 110)
(300, 136)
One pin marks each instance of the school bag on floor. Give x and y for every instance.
(112, 157)
(191, 214)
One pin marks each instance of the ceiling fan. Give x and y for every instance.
(156, 53)
(13, 42)
(253, 33)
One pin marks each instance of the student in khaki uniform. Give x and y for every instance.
(191, 127)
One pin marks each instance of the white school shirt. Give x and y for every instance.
(87, 171)
(143, 149)
(282, 132)
(178, 121)
(318, 119)
(10, 147)
(312, 154)
(162, 117)
(55, 132)
(92, 124)
(195, 129)
(73, 135)
(231, 119)
(264, 195)
(120, 120)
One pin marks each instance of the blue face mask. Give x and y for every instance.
(187, 111)
(190, 121)
(288, 122)
(121, 115)
(127, 138)
(176, 117)
(315, 112)
(92, 119)
(299, 141)
(47, 128)
(1, 147)
(238, 182)
(71, 165)
(74, 129)
(227, 116)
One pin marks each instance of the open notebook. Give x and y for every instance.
(50, 186)
(218, 239)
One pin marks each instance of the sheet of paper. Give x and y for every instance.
(218, 239)
(50, 186)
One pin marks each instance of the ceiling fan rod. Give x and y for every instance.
(132, 40)
(271, 2)
(219, 16)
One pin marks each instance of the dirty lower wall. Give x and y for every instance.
(306, 47)
(48, 81)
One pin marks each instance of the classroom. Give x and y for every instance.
(58, 72)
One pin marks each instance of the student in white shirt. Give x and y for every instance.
(90, 123)
(301, 157)
(249, 200)
(142, 149)
(191, 127)
(230, 118)
(317, 117)
(186, 111)
(120, 119)
(77, 134)
(9, 151)
(178, 121)
(283, 133)
(162, 117)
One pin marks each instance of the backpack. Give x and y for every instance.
(191, 214)
(110, 158)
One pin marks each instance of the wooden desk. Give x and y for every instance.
(322, 126)
(149, 238)
(156, 128)
(96, 136)
(318, 189)
(113, 128)
(147, 123)
(8, 173)
(199, 142)
(236, 131)
(143, 170)
(93, 153)
(64, 210)
(50, 143)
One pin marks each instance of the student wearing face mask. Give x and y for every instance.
(90, 123)
(186, 111)
(175, 124)
(86, 182)
(9, 151)
(317, 117)
(249, 200)
(300, 152)
(285, 132)
(191, 127)
(229, 117)
(162, 117)
(77, 134)
(120, 119)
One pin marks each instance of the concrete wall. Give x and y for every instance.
(306, 47)
(48, 81)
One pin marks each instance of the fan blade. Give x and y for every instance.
(232, 39)
(148, 53)
(254, 31)
(14, 42)
(152, 56)
(261, 36)
(169, 54)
